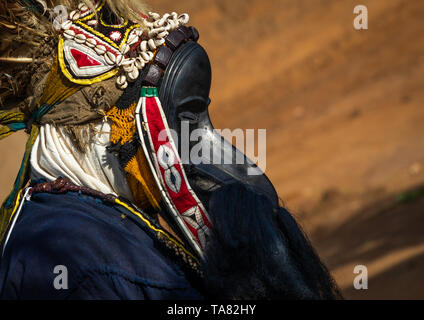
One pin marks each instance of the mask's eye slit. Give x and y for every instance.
(188, 116)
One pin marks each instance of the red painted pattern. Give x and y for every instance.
(183, 200)
(84, 60)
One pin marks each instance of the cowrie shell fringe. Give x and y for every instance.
(158, 28)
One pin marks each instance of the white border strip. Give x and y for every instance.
(154, 168)
(26, 197)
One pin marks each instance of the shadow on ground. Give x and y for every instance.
(388, 238)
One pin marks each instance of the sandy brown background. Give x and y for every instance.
(344, 113)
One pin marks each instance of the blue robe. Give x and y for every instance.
(106, 255)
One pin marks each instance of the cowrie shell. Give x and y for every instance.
(121, 80)
(162, 34)
(132, 40)
(128, 61)
(90, 42)
(152, 33)
(124, 85)
(168, 27)
(143, 46)
(119, 59)
(139, 63)
(125, 48)
(82, 7)
(80, 38)
(159, 23)
(128, 67)
(154, 15)
(100, 49)
(145, 56)
(159, 42)
(74, 15)
(110, 58)
(66, 25)
(69, 34)
(133, 75)
(152, 44)
(172, 24)
(184, 18)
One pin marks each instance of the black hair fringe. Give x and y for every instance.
(259, 252)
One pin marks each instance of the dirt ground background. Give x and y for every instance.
(344, 113)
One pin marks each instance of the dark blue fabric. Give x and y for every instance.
(107, 256)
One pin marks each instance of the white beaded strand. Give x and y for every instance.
(158, 28)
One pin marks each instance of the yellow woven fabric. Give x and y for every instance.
(123, 124)
(139, 176)
(10, 117)
(58, 87)
(5, 131)
(141, 182)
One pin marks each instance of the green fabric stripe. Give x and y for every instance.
(17, 126)
(149, 92)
